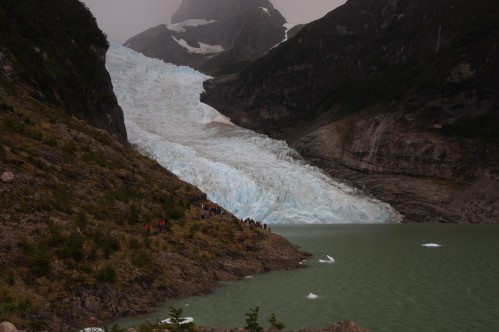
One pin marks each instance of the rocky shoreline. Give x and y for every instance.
(100, 302)
(341, 326)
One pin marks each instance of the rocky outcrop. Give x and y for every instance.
(56, 49)
(7, 177)
(7, 327)
(427, 177)
(216, 37)
(395, 97)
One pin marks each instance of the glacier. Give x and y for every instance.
(246, 173)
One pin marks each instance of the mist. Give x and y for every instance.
(122, 19)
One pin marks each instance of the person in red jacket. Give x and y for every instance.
(161, 224)
(147, 229)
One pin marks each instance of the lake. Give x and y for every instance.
(383, 279)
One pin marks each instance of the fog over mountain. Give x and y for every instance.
(122, 19)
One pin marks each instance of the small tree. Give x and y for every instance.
(38, 325)
(114, 328)
(252, 320)
(275, 324)
(177, 323)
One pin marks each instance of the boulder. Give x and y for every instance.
(6, 326)
(7, 177)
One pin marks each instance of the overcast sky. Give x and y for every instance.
(122, 19)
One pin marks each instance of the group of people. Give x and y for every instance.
(160, 225)
(211, 209)
(257, 224)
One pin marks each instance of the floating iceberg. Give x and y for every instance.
(312, 296)
(328, 260)
(181, 321)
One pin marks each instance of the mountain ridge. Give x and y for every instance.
(236, 31)
(48, 68)
(395, 97)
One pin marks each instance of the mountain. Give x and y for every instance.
(218, 10)
(399, 98)
(60, 56)
(216, 37)
(75, 197)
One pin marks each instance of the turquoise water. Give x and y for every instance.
(383, 279)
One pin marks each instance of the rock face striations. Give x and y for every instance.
(216, 37)
(399, 98)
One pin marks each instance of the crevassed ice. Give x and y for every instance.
(247, 173)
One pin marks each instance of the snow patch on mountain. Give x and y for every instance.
(265, 10)
(180, 27)
(202, 49)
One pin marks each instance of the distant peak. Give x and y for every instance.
(217, 9)
(180, 27)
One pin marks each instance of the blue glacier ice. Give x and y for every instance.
(247, 173)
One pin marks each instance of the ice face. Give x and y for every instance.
(247, 173)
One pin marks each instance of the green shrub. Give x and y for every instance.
(133, 215)
(5, 107)
(275, 324)
(141, 258)
(81, 220)
(70, 147)
(39, 259)
(176, 320)
(72, 247)
(62, 199)
(38, 325)
(114, 328)
(106, 274)
(252, 320)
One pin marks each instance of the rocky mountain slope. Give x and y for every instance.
(75, 198)
(56, 48)
(216, 37)
(399, 98)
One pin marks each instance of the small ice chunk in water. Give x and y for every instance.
(181, 321)
(312, 296)
(328, 260)
(431, 245)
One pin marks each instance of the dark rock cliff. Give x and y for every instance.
(233, 33)
(56, 48)
(400, 98)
